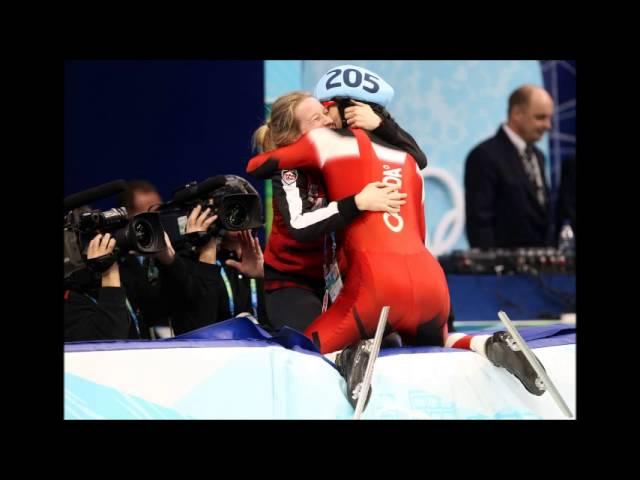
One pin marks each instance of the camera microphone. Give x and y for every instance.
(197, 191)
(96, 193)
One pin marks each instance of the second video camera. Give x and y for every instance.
(142, 234)
(232, 198)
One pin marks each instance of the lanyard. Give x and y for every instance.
(326, 265)
(254, 297)
(227, 285)
(329, 260)
(133, 316)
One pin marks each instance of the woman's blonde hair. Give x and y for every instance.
(282, 128)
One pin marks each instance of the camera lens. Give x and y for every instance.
(143, 232)
(113, 217)
(236, 215)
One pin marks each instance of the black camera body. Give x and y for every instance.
(236, 203)
(142, 234)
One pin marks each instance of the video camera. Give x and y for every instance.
(142, 234)
(232, 198)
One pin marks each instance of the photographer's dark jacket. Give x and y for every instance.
(204, 300)
(101, 317)
(190, 293)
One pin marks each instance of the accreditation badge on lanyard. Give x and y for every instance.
(332, 278)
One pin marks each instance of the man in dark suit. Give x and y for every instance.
(507, 199)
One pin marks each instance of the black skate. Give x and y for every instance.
(352, 365)
(503, 351)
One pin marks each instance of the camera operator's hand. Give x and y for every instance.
(103, 245)
(361, 116)
(200, 221)
(380, 197)
(167, 255)
(252, 260)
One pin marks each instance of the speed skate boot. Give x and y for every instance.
(352, 365)
(502, 351)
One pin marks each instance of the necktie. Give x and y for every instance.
(533, 172)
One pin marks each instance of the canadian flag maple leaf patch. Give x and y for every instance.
(289, 177)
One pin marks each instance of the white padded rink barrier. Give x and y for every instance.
(254, 380)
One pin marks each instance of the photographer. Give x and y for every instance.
(97, 313)
(225, 259)
(226, 267)
(95, 245)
